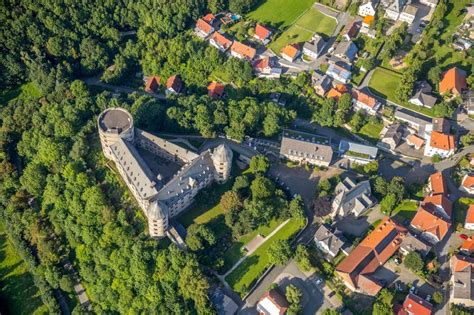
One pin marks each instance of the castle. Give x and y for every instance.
(159, 198)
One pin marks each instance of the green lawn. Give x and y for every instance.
(245, 275)
(406, 209)
(280, 13)
(460, 210)
(16, 284)
(371, 131)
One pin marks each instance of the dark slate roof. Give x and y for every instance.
(334, 241)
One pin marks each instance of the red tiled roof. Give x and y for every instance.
(215, 89)
(454, 81)
(470, 214)
(442, 141)
(426, 220)
(364, 98)
(416, 305)
(415, 140)
(203, 26)
(291, 51)
(209, 18)
(261, 32)
(368, 19)
(152, 83)
(174, 82)
(337, 91)
(468, 245)
(221, 40)
(438, 184)
(277, 299)
(461, 263)
(262, 63)
(243, 50)
(439, 201)
(468, 181)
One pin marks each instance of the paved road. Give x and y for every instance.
(120, 88)
(78, 287)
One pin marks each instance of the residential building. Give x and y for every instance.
(431, 3)
(368, 8)
(417, 122)
(215, 90)
(314, 47)
(337, 91)
(371, 33)
(209, 18)
(409, 14)
(415, 141)
(350, 31)
(305, 148)
(441, 144)
(467, 246)
(219, 41)
(391, 137)
(357, 269)
(159, 197)
(467, 184)
(453, 81)
(262, 33)
(346, 50)
(351, 198)
(393, 8)
(321, 83)
(432, 226)
(290, 52)
(469, 223)
(272, 303)
(174, 85)
(462, 280)
(411, 243)
(437, 184)
(203, 29)
(440, 204)
(152, 84)
(415, 305)
(358, 153)
(267, 67)
(241, 51)
(441, 125)
(423, 99)
(330, 243)
(339, 73)
(365, 102)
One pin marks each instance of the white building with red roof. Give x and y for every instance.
(362, 100)
(242, 51)
(467, 184)
(267, 67)
(262, 33)
(469, 224)
(272, 303)
(440, 144)
(174, 85)
(415, 305)
(203, 29)
(220, 41)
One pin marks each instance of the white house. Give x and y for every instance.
(440, 144)
(431, 3)
(393, 9)
(368, 8)
(467, 184)
(409, 13)
(365, 102)
(314, 47)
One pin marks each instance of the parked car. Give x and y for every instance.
(331, 294)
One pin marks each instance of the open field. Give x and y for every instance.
(17, 287)
(280, 13)
(303, 29)
(244, 276)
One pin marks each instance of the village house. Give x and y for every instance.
(393, 8)
(305, 148)
(430, 3)
(392, 136)
(411, 243)
(262, 33)
(272, 303)
(330, 243)
(339, 73)
(358, 153)
(215, 90)
(209, 18)
(357, 268)
(351, 198)
(441, 125)
(337, 91)
(290, 52)
(220, 41)
(351, 30)
(432, 225)
(467, 184)
(467, 246)
(267, 67)
(409, 14)
(453, 81)
(423, 98)
(440, 204)
(203, 29)
(321, 83)
(415, 141)
(415, 305)
(174, 85)
(368, 8)
(347, 51)
(242, 51)
(365, 102)
(462, 278)
(366, 27)
(469, 223)
(441, 144)
(417, 122)
(437, 184)
(152, 84)
(314, 47)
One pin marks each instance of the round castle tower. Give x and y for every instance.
(222, 160)
(114, 123)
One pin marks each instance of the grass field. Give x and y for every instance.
(245, 275)
(280, 13)
(309, 23)
(371, 131)
(17, 285)
(406, 209)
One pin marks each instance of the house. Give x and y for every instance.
(314, 47)
(209, 18)
(305, 148)
(347, 51)
(290, 52)
(267, 67)
(152, 84)
(351, 30)
(356, 270)
(203, 29)
(393, 8)
(469, 223)
(415, 305)
(351, 198)
(215, 90)
(462, 280)
(174, 85)
(330, 243)
(415, 141)
(432, 226)
(467, 184)
(441, 125)
(392, 137)
(409, 14)
(368, 20)
(358, 153)
(441, 144)
(421, 98)
(437, 184)
(419, 123)
(412, 243)
(453, 81)
(430, 3)
(262, 33)
(365, 102)
(220, 41)
(440, 204)
(368, 8)
(242, 51)
(337, 91)
(467, 246)
(321, 83)
(272, 303)
(339, 73)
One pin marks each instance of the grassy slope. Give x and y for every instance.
(16, 283)
(280, 13)
(406, 209)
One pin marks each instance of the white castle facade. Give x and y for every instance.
(160, 200)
